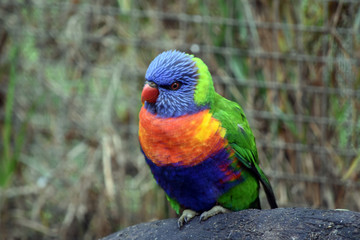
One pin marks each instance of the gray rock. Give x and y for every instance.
(280, 223)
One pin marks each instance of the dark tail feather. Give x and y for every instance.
(266, 184)
(259, 174)
(269, 194)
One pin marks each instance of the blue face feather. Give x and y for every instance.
(166, 69)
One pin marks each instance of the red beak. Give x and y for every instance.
(149, 93)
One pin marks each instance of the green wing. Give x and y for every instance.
(241, 139)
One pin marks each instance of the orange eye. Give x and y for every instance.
(175, 86)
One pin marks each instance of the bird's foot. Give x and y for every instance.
(212, 212)
(186, 216)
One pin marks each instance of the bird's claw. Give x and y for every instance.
(186, 216)
(212, 212)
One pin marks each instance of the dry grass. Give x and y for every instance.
(71, 75)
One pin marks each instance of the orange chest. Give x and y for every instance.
(187, 140)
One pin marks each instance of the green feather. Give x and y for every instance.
(204, 90)
(242, 196)
(174, 204)
(241, 139)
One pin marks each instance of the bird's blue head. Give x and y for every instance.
(172, 80)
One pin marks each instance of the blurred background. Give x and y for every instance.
(71, 74)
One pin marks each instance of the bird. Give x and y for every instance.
(199, 145)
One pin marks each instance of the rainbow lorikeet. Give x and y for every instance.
(198, 144)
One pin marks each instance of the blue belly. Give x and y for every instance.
(197, 187)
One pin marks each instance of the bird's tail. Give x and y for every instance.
(267, 186)
(259, 174)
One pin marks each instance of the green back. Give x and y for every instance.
(242, 140)
(238, 134)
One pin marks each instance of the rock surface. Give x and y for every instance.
(280, 223)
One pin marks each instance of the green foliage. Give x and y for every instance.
(312, 13)
(71, 73)
(9, 156)
(13, 136)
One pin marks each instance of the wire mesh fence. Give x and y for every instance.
(71, 73)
